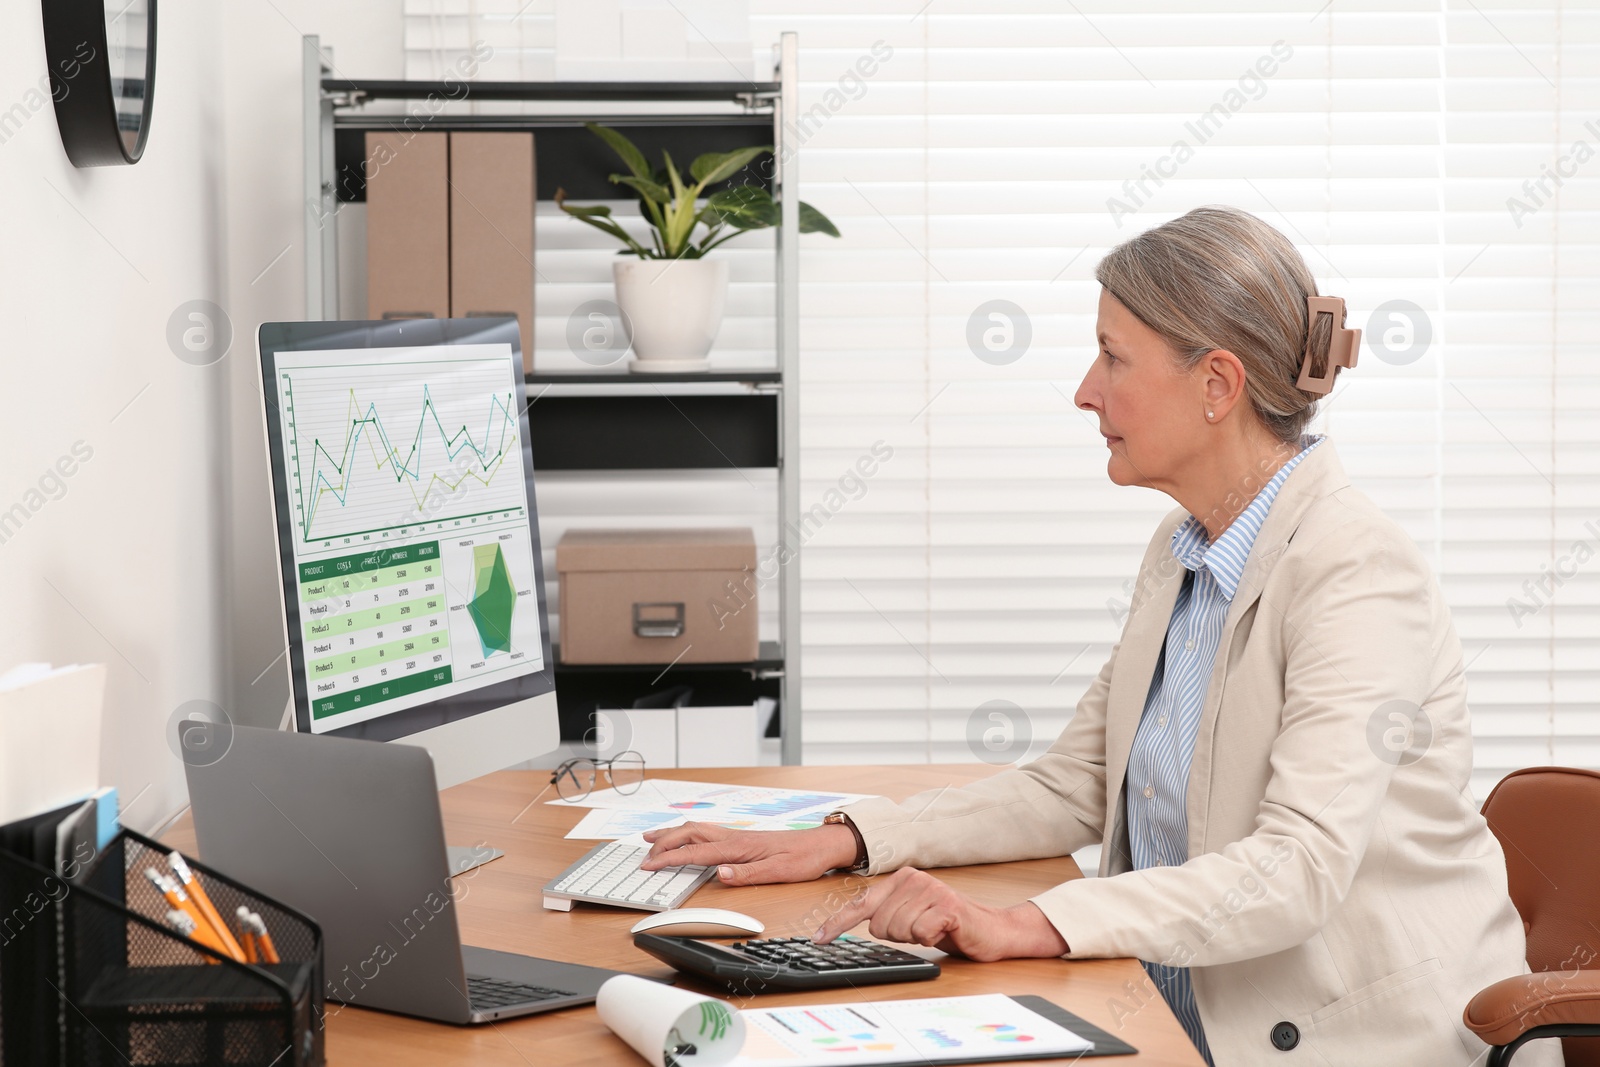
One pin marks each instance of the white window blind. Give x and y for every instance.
(582, 40)
(986, 561)
(974, 152)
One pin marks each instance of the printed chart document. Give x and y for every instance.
(611, 824)
(935, 1030)
(663, 802)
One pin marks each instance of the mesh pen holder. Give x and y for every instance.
(133, 992)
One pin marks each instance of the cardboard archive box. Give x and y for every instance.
(408, 225)
(450, 227)
(658, 596)
(491, 229)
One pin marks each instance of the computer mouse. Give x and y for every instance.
(698, 922)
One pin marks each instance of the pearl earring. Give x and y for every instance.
(1211, 414)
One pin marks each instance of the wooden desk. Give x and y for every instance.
(500, 908)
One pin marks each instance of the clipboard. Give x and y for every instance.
(1104, 1043)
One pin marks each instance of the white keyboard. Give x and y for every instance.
(609, 874)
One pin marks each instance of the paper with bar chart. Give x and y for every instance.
(661, 802)
(409, 513)
(971, 1029)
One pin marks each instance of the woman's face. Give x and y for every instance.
(1151, 412)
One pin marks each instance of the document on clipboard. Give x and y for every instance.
(936, 1030)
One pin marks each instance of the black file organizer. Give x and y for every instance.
(92, 976)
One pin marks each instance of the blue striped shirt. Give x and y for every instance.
(1157, 782)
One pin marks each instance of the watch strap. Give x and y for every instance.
(862, 861)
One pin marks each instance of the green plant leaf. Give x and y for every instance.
(814, 221)
(625, 149)
(620, 234)
(706, 247)
(599, 216)
(655, 209)
(645, 187)
(714, 167)
(745, 207)
(673, 208)
(681, 216)
(587, 214)
(680, 227)
(672, 174)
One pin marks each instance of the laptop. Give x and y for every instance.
(349, 832)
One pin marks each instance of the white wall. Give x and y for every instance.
(266, 262)
(121, 561)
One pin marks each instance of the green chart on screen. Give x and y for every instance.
(494, 599)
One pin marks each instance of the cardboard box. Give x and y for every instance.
(408, 225)
(658, 596)
(450, 227)
(492, 193)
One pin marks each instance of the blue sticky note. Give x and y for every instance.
(106, 825)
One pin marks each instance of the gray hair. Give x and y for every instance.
(1219, 277)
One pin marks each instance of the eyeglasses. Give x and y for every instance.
(575, 778)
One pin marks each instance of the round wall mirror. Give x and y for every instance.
(102, 56)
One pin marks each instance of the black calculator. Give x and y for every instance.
(782, 963)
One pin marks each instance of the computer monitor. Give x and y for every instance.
(408, 539)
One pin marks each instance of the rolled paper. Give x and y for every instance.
(670, 1027)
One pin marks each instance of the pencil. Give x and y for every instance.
(247, 936)
(264, 946)
(202, 902)
(201, 934)
(185, 926)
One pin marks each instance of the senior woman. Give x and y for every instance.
(1275, 756)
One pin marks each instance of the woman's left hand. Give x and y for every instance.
(915, 908)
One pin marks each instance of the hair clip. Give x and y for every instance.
(1342, 346)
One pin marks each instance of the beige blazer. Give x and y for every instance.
(1339, 879)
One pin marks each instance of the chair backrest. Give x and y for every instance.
(1548, 823)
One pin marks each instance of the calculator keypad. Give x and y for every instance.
(782, 963)
(844, 954)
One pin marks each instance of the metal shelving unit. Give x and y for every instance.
(744, 417)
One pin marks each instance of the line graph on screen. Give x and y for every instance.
(414, 443)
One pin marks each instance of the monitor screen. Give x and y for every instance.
(407, 532)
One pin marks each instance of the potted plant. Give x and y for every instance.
(670, 295)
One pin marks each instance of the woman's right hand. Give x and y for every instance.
(752, 857)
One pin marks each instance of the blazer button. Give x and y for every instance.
(1285, 1036)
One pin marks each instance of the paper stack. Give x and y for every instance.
(49, 736)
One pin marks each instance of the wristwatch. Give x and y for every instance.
(840, 818)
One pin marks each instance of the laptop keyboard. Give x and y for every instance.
(486, 992)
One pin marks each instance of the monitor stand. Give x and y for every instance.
(463, 859)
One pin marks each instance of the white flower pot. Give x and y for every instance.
(672, 309)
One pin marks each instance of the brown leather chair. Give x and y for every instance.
(1548, 823)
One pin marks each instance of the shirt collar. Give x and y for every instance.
(1225, 558)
